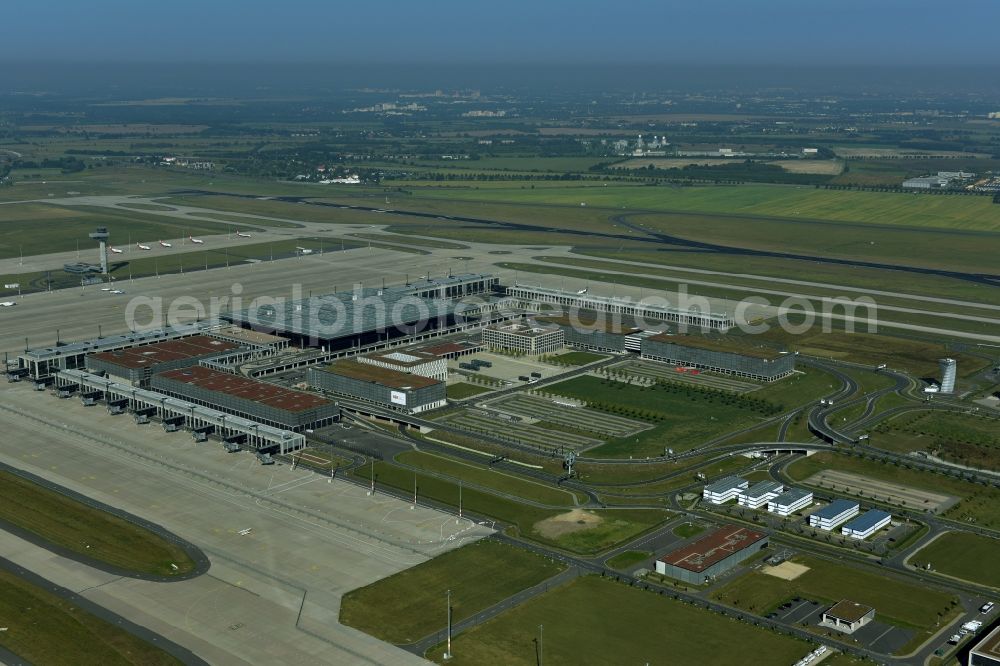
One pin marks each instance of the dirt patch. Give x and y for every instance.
(576, 520)
(786, 570)
(820, 167)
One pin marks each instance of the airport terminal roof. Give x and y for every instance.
(606, 322)
(265, 393)
(835, 508)
(126, 339)
(849, 611)
(373, 373)
(405, 358)
(247, 335)
(719, 343)
(713, 548)
(151, 355)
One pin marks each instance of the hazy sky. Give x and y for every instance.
(567, 31)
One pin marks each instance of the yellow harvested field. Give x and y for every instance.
(786, 570)
(820, 167)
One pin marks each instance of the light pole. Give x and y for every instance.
(447, 652)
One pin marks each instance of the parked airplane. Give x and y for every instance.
(163, 244)
(304, 250)
(115, 250)
(143, 247)
(583, 291)
(242, 235)
(7, 304)
(195, 240)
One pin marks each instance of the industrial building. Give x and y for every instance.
(942, 180)
(790, 501)
(535, 297)
(847, 616)
(524, 337)
(759, 494)
(987, 651)
(380, 386)
(251, 399)
(412, 361)
(833, 514)
(724, 489)
(866, 524)
(949, 369)
(136, 365)
(711, 555)
(717, 354)
(362, 316)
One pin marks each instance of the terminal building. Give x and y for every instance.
(537, 297)
(383, 387)
(711, 555)
(261, 402)
(866, 524)
(833, 514)
(790, 501)
(601, 331)
(717, 354)
(759, 494)
(414, 361)
(524, 337)
(724, 489)
(136, 365)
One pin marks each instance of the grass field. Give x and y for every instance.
(688, 530)
(968, 439)
(962, 555)
(576, 358)
(92, 533)
(628, 559)
(897, 601)
(43, 628)
(463, 390)
(410, 605)
(597, 621)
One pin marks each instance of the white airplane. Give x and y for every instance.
(117, 291)
(143, 247)
(304, 250)
(115, 250)
(7, 304)
(583, 291)
(242, 235)
(164, 244)
(195, 240)
(105, 288)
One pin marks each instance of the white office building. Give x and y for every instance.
(834, 514)
(867, 524)
(790, 501)
(724, 489)
(758, 494)
(411, 361)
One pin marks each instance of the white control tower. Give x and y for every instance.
(948, 370)
(102, 235)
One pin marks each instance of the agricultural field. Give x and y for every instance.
(87, 531)
(962, 555)
(410, 605)
(596, 621)
(44, 628)
(968, 439)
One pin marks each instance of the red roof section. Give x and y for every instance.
(147, 356)
(249, 389)
(713, 548)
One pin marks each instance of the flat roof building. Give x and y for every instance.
(987, 651)
(711, 555)
(412, 361)
(725, 489)
(790, 501)
(719, 354)
(384, 387)
(524, 337)
(866, 524)
(847, 616)
(759, 493)
(137, 364)
(249, 398)
(601, 331)
(833, 514)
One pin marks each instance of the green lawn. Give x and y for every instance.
(628, 559)
(897, 601)
(968, 439)
(577, 358)
(688, 530)
(93, 533)
(963, 555)
(463, 390)
(597, 621)
(43, 628)
(410, 605)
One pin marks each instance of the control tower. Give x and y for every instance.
(948, 372)
(101, 236)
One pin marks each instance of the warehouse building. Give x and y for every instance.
(136, 365)
(412, 361)
(987, 651)
(847, 616)
(248, 398)
(724, 489)
(759, 494)
(380, 386)
(711, 555)
(866, 524)
(718, 354)
(524, 337)
(833, 514)
(790, 501)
